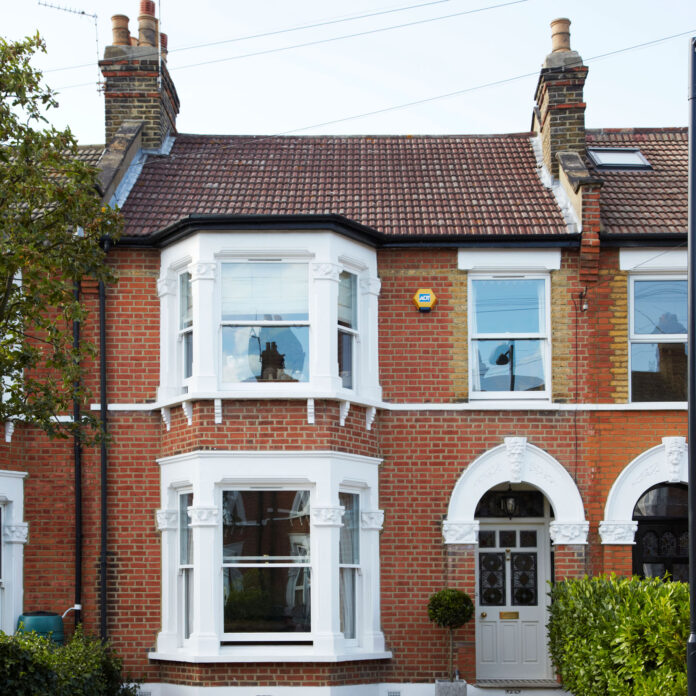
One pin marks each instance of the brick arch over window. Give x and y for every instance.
(516, 461)
(666, 463)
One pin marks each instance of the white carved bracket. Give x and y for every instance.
(370, 414)
(675, 451)
(187, 407)
(9, 430)
(217, 410)
(16, 533)
(166, 519)
(310, 411)
(618, 532)
(515, 448)
(343, 412)
(327, 516)
(167, 417)
(166, 286)
(204, 516)
(569, 532)
(460, 532)
(326, 271)
(372, 519)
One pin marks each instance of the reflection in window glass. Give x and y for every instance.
(349, 561)
(266, 561)
(186, 323)
(347, 326)
(658, 340)
(265, 333)
(508, 335)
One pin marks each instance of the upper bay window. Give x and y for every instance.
(270, 314)
(658, 320)
(509, 336)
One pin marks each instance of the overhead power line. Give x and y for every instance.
(276, 32)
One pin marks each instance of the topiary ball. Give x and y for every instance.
(450, 608)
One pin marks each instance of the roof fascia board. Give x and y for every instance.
(642, 240)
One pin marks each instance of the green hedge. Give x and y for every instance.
(31, 665)
(613, 636)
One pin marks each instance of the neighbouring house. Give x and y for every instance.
(299, 456)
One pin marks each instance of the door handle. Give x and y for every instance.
(483, 615)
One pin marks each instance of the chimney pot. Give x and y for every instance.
(164, 40)
(147, 29)
(119, 30)
(147, 7)
(560, 35)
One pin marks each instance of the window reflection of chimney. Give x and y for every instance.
(273, 365)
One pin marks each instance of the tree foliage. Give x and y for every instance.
(52, 222)
(450, 608)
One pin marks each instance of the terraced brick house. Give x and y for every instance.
(299, 456)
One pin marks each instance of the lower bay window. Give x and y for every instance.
(273, 556)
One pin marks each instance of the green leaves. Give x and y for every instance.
(32, 665)
(620, 636)
(450, 608)
(52, 223)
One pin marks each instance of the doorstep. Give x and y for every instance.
(524, 687)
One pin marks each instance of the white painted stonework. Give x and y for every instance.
(516, 461)
(665, 463)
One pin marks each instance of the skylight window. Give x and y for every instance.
(618, 158)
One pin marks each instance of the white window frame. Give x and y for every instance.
(323, 474)
(353, 332)
(635, 338)
(357, 567)
(185, 573)
(13, 537)
(326, 254)
(184, 331)
(544, 336)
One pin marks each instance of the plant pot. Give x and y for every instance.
(444, 687)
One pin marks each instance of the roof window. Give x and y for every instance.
(618, 158)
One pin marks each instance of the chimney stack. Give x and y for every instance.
(137, 85)
(559, 114)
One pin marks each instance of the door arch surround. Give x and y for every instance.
(516, 461)
(665, 463)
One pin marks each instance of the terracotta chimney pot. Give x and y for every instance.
(119, 30)
(147, 29)
(147, 7)
(164, 40)
(560, 35)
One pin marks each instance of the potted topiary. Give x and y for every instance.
(450, 608)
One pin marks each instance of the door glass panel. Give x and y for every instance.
(508, 538)
(524, 579)
(486, 539)
(492, 579)
(528, 538)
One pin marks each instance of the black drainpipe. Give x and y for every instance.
(77, 454)
(103, 468)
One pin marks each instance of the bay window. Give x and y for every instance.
(509, 336)
(657, 336)
(273, 555)
(268, 314)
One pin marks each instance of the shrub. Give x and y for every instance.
(32, 665)
(620, 637)
(450, 608)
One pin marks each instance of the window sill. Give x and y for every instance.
(269, 653)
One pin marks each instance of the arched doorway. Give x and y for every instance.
(662, 536)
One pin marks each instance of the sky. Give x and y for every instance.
(486, 54)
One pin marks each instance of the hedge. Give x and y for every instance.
(620, 637)
(32, 665)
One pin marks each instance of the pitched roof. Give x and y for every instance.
(90, 154)
(651, 201)
(399, 185)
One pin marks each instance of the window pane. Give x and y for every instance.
(347, 304)
(516, 365)
(265, 526)
(508, 306)
(187, 579)
(349, 548)
(345, 359)
(185, 301)
(347, 597)
(187, 343)
(266, 600)
(663, 501)
(264, 291)
(185, 531)
(658, 372)
(659, 307)
(265, 354)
